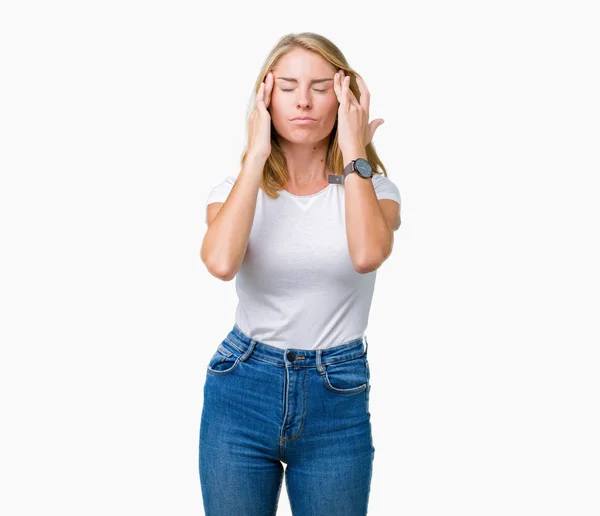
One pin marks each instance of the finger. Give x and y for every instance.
(260, 95)
(269, 82)
(346, 90)
(365, 95)
(373, 127)
(337, 86)
(349, 94)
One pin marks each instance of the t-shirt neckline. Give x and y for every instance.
(309, 195)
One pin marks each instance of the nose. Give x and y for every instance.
(303, 101)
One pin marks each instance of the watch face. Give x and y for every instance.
(363, 167)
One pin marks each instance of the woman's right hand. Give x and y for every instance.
(259, 123)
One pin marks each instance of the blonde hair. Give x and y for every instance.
(275, 172)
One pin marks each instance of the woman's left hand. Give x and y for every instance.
(354, 131)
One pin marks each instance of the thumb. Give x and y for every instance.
(375, 124)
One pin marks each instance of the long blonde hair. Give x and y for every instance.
(275, 172)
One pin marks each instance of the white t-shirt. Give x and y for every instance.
(297, 287)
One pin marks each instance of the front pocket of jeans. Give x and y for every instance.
(222, 362)
(224, 351)
(347, 377)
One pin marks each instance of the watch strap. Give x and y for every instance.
(339, 178)
(348, 169)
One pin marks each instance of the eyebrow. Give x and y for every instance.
(291, 79)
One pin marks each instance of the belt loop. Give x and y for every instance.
(366, 345)
(320, 367)
(249, 351)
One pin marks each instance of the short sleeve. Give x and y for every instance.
(219, 193)
(385, 188)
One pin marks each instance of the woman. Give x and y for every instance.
(303, 228)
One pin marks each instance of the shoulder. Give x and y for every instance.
(227, 182)
(385, 188)
(220, 191)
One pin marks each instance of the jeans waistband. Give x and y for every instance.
(298, 357)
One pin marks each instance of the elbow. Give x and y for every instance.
(223, 276)
(372, 263)
(221, 273)
(215, 267)
(218, 270)
(365, 269)
(366, 266)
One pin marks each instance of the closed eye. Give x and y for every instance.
(320, 91)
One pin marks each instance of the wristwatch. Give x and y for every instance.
(360, 165)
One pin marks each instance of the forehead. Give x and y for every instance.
(300, 62)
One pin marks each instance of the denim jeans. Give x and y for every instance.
(265, 406)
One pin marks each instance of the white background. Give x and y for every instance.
(116, 120)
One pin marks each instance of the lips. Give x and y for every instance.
(303, 121)
(303, 118)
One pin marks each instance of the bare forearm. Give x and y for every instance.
(369, 237)
(226, 240)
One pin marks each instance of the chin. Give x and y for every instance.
(303, 134)
(304, 139)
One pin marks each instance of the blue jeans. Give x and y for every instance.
(264, 406)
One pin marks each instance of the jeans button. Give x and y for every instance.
(291, 356)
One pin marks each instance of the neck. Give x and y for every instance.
(305, 162)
